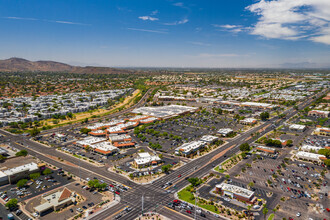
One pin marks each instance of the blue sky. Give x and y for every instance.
(168, 33)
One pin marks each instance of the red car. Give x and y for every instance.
(328, 209)
(188, 211)
(117, 193)
(289, 189)
(179, 175)
(111, 185)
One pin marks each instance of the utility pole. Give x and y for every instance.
(195, 206)
(79, 168)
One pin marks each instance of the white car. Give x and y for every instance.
(36, 214)
(298, 214)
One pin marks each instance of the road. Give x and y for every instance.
(141, 102)
(154, 195)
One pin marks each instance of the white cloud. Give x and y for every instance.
(178, 4)
(183, 21)
(145, 18)
(199, 43)
(69, 22)
(324, 37)
(292, 19)
(227, 26)
(147, 30)
(20, 18)
(154, 12)
(230, 28)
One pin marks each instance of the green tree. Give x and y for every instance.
(2, 157)
(47, 171)
(166, 168)
(21, 183)
(327, 162)
(289, 143)
(69, 115)
(195, 181)
(264, 116)
(22, 153)
(35, 132)
(244, 147)
(325, 152)
(12, 203)
(93, 183)
(34, 176)
(265, 211)
(85, 130)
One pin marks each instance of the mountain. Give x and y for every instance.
(22, 65)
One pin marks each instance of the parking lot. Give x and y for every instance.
(91, 199)
(34, 188)
(173, 133)
(282, 176)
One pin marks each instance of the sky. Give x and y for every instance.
(168, 33)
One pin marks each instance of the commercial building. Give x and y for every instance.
(145, 159)
(55, 201)
(121, 141)
(309, 148)
(225, 131)
(189, 148)
(14, 174)
(104, 148)
(319, 113)
(209, 139)
(248, 121)
(322, 131)
(266, 149)
(98, 133)
(310, 157)
(98, 144)
(88, 141)
(175, 98)
(248, 104)
(296, 127)
(165, 112)
(236, 192)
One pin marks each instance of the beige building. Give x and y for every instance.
(55, 201)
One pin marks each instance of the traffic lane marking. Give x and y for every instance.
(88, 171)
(177, 212)
(214, 158)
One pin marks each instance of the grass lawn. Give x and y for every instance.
(219, 170)
(271, 217)
(187, 195)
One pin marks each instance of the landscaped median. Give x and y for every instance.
(187, 195)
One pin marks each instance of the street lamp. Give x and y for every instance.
(196, 194)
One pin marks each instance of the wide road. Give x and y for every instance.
(154, 196)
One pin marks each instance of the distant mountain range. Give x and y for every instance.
(21, 65)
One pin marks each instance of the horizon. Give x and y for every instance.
(170, 34)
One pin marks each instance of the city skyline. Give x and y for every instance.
(216, 34)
